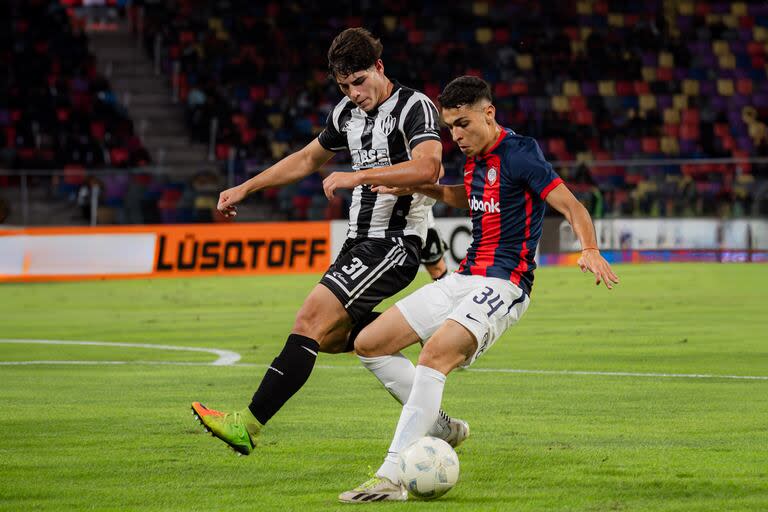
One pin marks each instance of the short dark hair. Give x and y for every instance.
(464, 90)
(355, 49)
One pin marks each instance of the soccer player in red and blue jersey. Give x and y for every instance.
(507, 182)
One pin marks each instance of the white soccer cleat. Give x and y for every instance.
(451, 430)
(376, 489)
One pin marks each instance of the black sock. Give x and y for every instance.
(288, 372)
(373, 315)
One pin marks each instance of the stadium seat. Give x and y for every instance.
(725, 87)
(560, 104)
(691, 87)
(524, 62)
(571, 88)
(671, 116)
(607, 87)
(650, 145)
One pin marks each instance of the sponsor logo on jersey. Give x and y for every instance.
(367, 158)
(386, 124)
(477, 205)
(347, 126)
(492, 173)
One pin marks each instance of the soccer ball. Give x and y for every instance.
(429, 468)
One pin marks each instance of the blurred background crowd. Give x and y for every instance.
(652, 108)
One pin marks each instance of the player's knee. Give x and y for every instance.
(311, 323)
(366, 347)
(332, 344)
(439, 358)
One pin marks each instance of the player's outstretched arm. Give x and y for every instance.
(561, 199)
(288, 170)
(452, 195)
(423, 168)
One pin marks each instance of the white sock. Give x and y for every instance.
(419, 414)
(395, 372)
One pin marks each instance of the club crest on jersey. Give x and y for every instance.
(492, 174)
(386, 124)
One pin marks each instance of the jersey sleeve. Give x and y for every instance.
(330, 138)
(534, 169)
(421, 122)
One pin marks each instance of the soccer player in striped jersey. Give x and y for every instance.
(393, 136)
(507, 182)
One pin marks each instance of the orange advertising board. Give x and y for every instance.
(67, 253)
(299, 247)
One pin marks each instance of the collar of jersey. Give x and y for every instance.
(498, 141)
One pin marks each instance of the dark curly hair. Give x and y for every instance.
(464, 90)
(355, 49)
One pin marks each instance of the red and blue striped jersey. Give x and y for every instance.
(506, 188)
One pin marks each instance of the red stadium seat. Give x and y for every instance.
(119, 157)
(98, 130)
(650, 145)
(584, 117)
(624, 88)
(556, 146)
(722, 130)
(578, 103)
(519, 88)
(671, 130)
(689, 131)
(74, 174)
(744, 86)
(222, 151)
(641, 88)
(690, 116)
(664, 74)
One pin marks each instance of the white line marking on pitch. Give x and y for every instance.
(229, 358)
(226, 357)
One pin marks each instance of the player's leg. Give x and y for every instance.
(486, 308)
(365, 272)
(437, 270)
(414, 318)
(321, 324)
(432, 253)
(450, 346)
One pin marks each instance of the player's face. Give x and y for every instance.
(473, 127)
(365, 88)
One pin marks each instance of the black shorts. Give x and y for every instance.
(434, 247)
(369, 270)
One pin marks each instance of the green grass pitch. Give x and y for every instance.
(121, 437)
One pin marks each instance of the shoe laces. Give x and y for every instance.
(370, 483)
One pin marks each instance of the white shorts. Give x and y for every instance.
(486, 306)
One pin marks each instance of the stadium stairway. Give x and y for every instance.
(147, 97)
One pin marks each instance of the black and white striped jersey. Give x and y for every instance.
(383, 137)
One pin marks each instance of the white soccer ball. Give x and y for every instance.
(429, 468)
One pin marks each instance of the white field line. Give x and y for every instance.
(228, 358)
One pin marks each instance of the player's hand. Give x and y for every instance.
(395, 191)
(337, 180)
(228, 199)
(592, 260)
